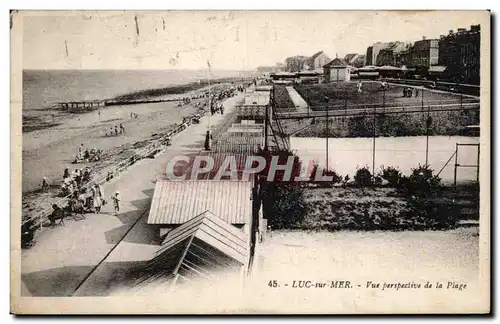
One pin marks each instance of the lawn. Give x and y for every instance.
(342, 94)
(384, 209)
(282, 98)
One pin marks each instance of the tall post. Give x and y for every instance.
(345, 98)
(383, 99)
(477, 174)
(428, 124)
(422, 99)
(266, 125)
(374, 134)
(327, 110)
(209, 135)
(456, 166)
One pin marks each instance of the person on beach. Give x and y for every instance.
(66, 173)
(57, 213)
(116, 202)
(116, 130)
(45, 184)
(97, 195)
(208, 141)
(122, 129)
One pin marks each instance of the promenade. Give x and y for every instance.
(83, 257)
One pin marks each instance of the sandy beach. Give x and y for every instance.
(47, 152)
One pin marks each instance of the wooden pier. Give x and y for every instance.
(81, 106)
(90, 105)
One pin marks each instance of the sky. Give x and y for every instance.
(230, 40)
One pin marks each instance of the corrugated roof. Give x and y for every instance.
(230, 239)
(238, 144)
(176, 202)
(199, 248)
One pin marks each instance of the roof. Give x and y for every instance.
(387, 67)
(437, 68)
(176, 202)
(264, 88)
(350, 57)
(337, 62)
(218, 156)
(308, 73)
(368, 68)
(316, 55)
(199, 248)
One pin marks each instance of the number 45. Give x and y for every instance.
(273, 283)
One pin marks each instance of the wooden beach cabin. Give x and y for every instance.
(177, 202)
(204, 248)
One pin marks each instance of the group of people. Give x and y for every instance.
(82, 201)
(408, 92)
(73, 181)
(85, 155)
(134, 115)
(117, 130)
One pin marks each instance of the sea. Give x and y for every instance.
(42, 88)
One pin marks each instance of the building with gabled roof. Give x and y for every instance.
(337, 70)
(200, 249)
(355, 60)
(317, 61)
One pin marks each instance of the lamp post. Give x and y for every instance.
(208, 137)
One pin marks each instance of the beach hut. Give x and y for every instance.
(337, 71)
(176, 202)
(204, 248)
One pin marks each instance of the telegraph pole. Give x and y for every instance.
(374, 134)
(327, 109)
(422, 99)
(428, 124)
(383, 100)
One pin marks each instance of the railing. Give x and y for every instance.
(251, 110)
(104, 175)
(379, 110)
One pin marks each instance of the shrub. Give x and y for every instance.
(283, 205)
(282, 201)
(363, 177)
(336, 178)
(431, 213)
(422, 182)
(391, 175)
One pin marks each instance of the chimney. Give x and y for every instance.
(451, 32)
(423, 37)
